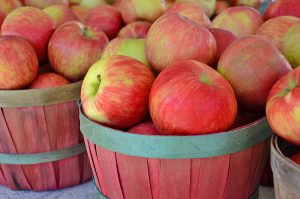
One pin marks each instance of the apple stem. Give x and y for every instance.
(99, 77)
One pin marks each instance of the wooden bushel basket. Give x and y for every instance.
(286, 173)
(218, 166)
(41, 147)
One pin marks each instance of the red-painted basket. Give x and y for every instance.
(219, 166)
(41, 147)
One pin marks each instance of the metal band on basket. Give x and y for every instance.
(28, 159)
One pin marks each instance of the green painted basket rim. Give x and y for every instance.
(40, 97)
(175, 147)
(29, 159)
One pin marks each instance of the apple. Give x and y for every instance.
(223, 38)
(2, 17)
(105, 18)
(18, 63)
(48, 80)
(134, 48)
(283, 107)
(173, 37)
(191, 11)
(147, 10)
(92, 3)
(221, 5)
(6, 6)
(146, 128)
(250, 3)
(282, 8)
(80, 11)
(136, 30)
(252, 64)
(291, 45)
(296, 158)
(208, 6)
(32, 24)
(60, 14)
(240, 20)
(190, 98)
(45, 3)
(275, 29)
(73, 48)
(115, 91)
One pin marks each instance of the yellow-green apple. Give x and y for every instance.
(48, 80)
(190, 98)
(60, 14)
(105, 18)
(208, 6)
(92, 3)
(18, 63)
(223, 38)
(115, 91)
(45, 3)
(282, 8)
(7, 6)
(134, 48)
(252, 65)
(146, 128)
(221, 5)
(167, 42)
(73, 48)
(192, 11)
(283, 107)
(79, 11)
(296, 158)
(2, 17)
(32, 24)
(275, 29)
(240, 20)
(133, 10)
(136, 30)
(291, 45)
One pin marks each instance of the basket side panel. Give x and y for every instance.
(85, 167)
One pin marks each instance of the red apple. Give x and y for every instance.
(32, 24)
(223, 38)
(252, 65)
(133, 10)
(60, 14)
(221, 5)
(296, 158)
(146, 128)
(73, 48)
(48, 80)
(240, 20)
(45, 3)
(2, 17)
(283, 8)
(283, 107)
(80, 11)
(105, 18)
(275, 29)
(207, 5)
(115, 91)
(173, 37)
(190, 98)
(18, 63)
(291, 45)
(192, 11)
(136, 30)
(7, 6)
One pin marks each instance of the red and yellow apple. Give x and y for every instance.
(146, 128)
(18, 63)
(48, 80)
(173, 37)
(221, 5)
(208, 6)
(291, 45)
(115, 91)
(282, 8)
(240, 20)
(147, 10)
(136, 30)
(92, 3)
(190, 98)
(192, 11)
(73, 48)
(6, 6)
(60, 14)
(252, 65)
(283, 107)
(79, 11)
(249, 3)
(32, 24)
(275, 29)
(2, 17)
(105, 18)
(45, 3)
